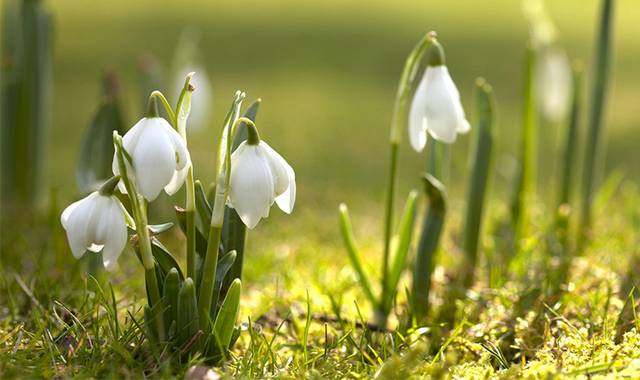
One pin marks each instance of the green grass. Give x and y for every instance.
(327, 74)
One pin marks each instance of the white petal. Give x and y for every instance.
(176, 181)
(287, 200)
(75, 223)
(129, 141)
(179, 145)
(115, 237)
(154, 159)
(284, 179)
(417, 117)
(442, 104)
(64, 218)
(278, 167)
(251, 184)
(463, 126)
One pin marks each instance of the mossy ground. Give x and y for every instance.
(300, 292)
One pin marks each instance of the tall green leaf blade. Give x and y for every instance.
(354, 256)
(188, 321)
(170, 295)
(226, 319)
(427, 246)
(596, 117)
(403, 236)
(481, 160)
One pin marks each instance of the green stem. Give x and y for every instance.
(205, 296)
(144, 242)
(208, 276)
(596, 116)
(388, 220)
(191, 224)
(165, 103)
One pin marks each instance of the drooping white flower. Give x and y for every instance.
(260, 176)
(96, 223)
(436, 109)
(553, 85)
(159, 156)
(436, 106)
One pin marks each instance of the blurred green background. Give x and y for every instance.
(327, 72)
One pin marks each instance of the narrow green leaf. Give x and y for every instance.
(171, 291)
(157, 229)
(149, 322)
(203, 208)
(226, 319)
(352, 251)
(571, 139)
(428, 245)
(480, 170)
(525, 176)
(201, 240)
(164, 258)
(224, 265)
(403, 236)
(596, 116)
(188, 323)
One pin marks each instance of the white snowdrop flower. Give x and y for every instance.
(553, 83)
(259, 176)
(159, 156)
(96, 223)
(436, 106)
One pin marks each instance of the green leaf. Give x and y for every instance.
(226, 319)
(163, 257)
(187, 320)
(352, 251)
(224, 264)
(480, 172)
(157, 229)
(427, 247)
(96, 155)
(403, 236)
(171, 291)
(201, 240)
(203, 208)
(152, 333)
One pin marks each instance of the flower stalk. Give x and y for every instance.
(138, 205)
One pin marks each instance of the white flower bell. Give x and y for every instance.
(259, 176)
(97, 223)
(159, 156)
(436, 106)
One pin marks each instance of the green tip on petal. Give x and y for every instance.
(434, 53)
(109, 186)
(253, 138)
(152, 107)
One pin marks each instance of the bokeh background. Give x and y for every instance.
(327, 72)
